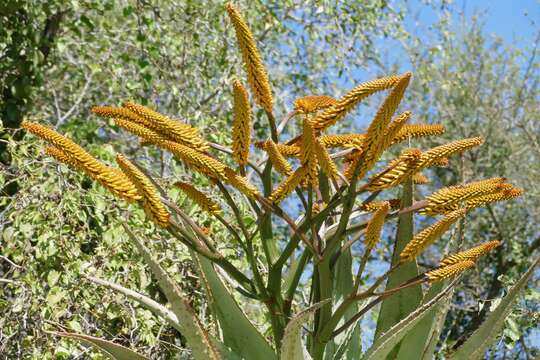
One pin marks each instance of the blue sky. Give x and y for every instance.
(510, 19)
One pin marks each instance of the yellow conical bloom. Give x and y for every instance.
(308, 157)
(312, 103)
(418, 130)
(199, 198)
(196, 160)
(151, 201)
(75, 156)
(344, 140)
(285, 150)
(336, 112)
(325, 161)
(452, 195)
(146, 135)
(393, 130)
(256, 72)
(427, 236)
(506, 194)
(472, 254)
(288, 185)
(373, 145)
(277, 159)
(241, 124)
(119, 113)
(420, 179)
(174, 130)
(449, 271)
(434, 155)
(375, 225)
(240, 183)
(397, 171)
(374, 205)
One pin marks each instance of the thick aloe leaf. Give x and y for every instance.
(201, 345)
(383, 346)
(439, 317)
(291, 346)
(112, 350)
(419, 336)
(144, 300)
(475, 346)
(239, 333)
(348, 343)
(397, 307)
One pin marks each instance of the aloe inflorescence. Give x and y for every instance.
(345, 185)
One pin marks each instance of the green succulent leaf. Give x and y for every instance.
(238, 332)
(397, 307)
(384, 345)
(475, 346)
(198, 339)
(292, 347)
(112, 350)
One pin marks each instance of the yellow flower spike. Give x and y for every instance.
(240, 183)
(199, 198)
(75, 156)
(288, 185)
(449, 271)
(420, 179)
(147, 136)
(119, 113)
(196, 160)
(256, 72)
(471, 254)
(427, 236)
(393, 130)
(328, 166)
(434, 155)
(441, 162)
(374, 205)
(397, 171)
(313, 103)
(452, 195)
(375, 225)
(174, 130)
(373, 145)
(151, 202)
(278, 160)
(308, 156)
(336, 112)
(418, 130)
(343, 140)
(241, 124)
(506, 194)
(285, 150)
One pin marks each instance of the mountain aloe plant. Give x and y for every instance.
(347, 198)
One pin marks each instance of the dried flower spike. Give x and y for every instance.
(241, 124)
(278, 160)
(199, 198)
(313, 103)
(449, 271)
(336, 112)
(427, 236)
(151, 201)
(256, 72)
(472, 254)
(375, 225)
